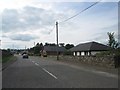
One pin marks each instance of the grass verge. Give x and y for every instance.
(7, 59)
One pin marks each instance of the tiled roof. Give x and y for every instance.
(90, 46)
(54, 48)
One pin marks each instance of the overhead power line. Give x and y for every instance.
(80, 12)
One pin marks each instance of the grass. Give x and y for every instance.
(8, 58)
(0, 57)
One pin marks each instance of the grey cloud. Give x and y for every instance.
(9, 19)
(111, 28)
(34, 10)
(29, 17)
(23, 37)
(3, 35)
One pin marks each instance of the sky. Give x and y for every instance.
(24, 22)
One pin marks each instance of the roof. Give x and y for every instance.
(90, 46)
(54, 48)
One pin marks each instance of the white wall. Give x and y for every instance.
(74, 53)
(88, 53)
(78, 53)
(82, 53)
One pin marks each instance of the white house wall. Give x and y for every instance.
(74, 53)
(78, 53)
(82, 53)
(88, 53)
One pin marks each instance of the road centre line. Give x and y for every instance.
(33, 61)
(46, 71)
(36, 64)
(50, 73)
(93, 71)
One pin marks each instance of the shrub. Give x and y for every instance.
(68, 53)
(6, 53)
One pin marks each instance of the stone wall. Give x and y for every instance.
(106, 61)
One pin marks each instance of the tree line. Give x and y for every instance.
(39, 46)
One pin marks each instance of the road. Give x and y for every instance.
(36, 72)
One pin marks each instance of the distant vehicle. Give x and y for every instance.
(19, 54)
(25, 55)
(44, 53)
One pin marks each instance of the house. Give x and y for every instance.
(89, 48)
(52, 50)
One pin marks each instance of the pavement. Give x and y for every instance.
(36, 72)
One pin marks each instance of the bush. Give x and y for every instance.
(6, 55)
(104, 53)
(68, 53)
(117, 52)
(114, 52)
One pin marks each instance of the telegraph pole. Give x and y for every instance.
(13, 46)
(25, 48)
(34, 48)
(57, 40)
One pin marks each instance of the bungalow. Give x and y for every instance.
(52, 50)
(90, 48)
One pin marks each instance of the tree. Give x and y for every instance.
(112, 42)
(46, 44)
(61, 44)
(50, 44)
(41, 46)
(38, 48)
(68, 46)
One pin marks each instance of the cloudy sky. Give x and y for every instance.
(24, 22)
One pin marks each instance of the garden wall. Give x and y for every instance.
(104, 61)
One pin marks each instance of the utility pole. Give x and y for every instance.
(25, 48)
(13, 46)
(57, 40)
(0, 44)
(34, 48)
(13, 49)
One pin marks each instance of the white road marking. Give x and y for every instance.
(93, 71)
(36, 64)
(49, 73)
(33, 61)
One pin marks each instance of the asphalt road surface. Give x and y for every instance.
(36, 72)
